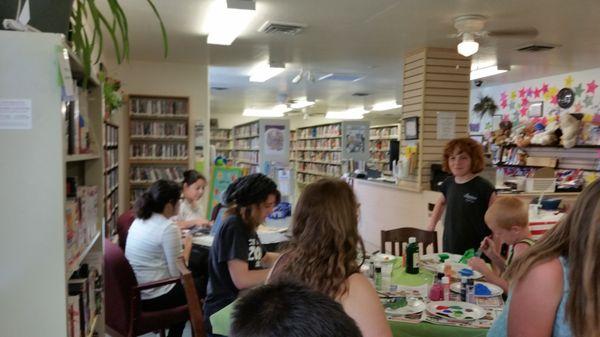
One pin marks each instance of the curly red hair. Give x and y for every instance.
(468, 146)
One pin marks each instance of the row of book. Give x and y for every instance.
(333, 130)
(164, 107)
(250, 130)
(112, 201)
(111, 158)
(158, 129)
(328, 144)
(111, 135)
(328, 156)
(221, 134)
(384, 132)
(221, 144)
(158, 151)
(333, 170)
(151, 174)
(80, 138)
(81, 215)
(111, 180)
(251, 143)
(84, 301)
(380, 155)
(305, 178)
(250, 156)
(251, 168)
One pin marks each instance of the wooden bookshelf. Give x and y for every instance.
(379, 146)
(45, 242)
(111, 178)
(159, 136)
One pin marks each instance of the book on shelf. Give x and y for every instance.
(80, 138)
(81, 216)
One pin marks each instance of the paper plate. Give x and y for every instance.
(383, 258)
(456, 267)
(494, 289)
(435, 259)
(412, 307)
(456, 310)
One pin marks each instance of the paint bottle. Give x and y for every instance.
(412, 256)
(436, 293)
(470, 291)
(446, 287)
(378, 278)
(463, 289)
(371, 269)
(448, 269)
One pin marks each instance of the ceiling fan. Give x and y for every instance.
(470, 27)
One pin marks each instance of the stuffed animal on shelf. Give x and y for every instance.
(525, 135)
(570, 125)
(501, 135)
(547, 137)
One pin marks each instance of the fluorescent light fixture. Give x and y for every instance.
(468, 46)
(387, 105)
(325, 76)
(226, 20)
(487, 71)
(263, 71)
(276, 111)
(301, 103)
(281, 108)
(355, 113)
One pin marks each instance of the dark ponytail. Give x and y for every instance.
(191, 176)
(156, 197)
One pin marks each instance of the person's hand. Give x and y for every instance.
(479, 265)
(430, 227)
(488, 247)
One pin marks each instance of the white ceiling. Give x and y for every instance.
(366, 37)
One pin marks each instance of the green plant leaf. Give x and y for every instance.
(162, 28)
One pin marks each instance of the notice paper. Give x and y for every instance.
(15, 114)
(445, 125)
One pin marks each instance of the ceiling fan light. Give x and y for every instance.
(467, 47)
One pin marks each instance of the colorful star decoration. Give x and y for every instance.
(513, 95)
(503, 104)
(591, 87)
(587, 101)
(511, 105)
(503, 96)
(569, 81)
(553, 91)
(578, 107)
(554, 100)
(523, 111)
(522, 93)
(544, 88)
(537, 92)
(529, 92)
(578, 90)
(524, 102)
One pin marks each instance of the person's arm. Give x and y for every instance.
(184, 224)
(363, 305)
(490, 249)
(171, 242)
(438, 210)
(243, 277)
(535, 300)
(479, 265)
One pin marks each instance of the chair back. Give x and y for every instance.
(119, 280)
(193, 301)
(399, 236)
(123, 223)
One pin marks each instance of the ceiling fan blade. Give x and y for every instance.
(525, 32)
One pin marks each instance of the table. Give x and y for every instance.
(221, 320)
(273, 232)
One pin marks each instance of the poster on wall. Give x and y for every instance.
(274, 139)
(446, 122)
(274, 142)
(355, 140)
(221, 177)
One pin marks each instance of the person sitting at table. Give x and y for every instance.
(555, 285)
(154, 245)
(191, 212)
(237, 259)
(508, 218)
(322, 254)
(290, 310)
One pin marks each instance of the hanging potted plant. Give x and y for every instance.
(485, 105)
(86, 32)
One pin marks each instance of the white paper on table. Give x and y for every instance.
(15, 114)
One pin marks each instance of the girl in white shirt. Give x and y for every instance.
(153, 246)
(191, 211)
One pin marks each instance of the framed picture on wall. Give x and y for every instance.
(477, 137)
(536, 109)
(411, 128)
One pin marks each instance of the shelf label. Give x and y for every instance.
(15, 114)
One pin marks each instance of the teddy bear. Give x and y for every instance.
(525, 135)
(501, 135)
(570, 125)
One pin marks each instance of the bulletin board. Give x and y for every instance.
(221, 177)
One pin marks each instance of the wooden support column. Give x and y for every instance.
(435, 80)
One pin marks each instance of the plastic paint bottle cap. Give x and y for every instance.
(412, 239)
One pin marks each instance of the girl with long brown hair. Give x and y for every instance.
(322, 254)
(556, 283)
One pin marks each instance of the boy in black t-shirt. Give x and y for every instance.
(237, 258)
(465, 197)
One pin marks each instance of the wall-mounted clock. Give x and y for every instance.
(565, 98)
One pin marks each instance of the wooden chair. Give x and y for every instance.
(194, 303)
(401, 235)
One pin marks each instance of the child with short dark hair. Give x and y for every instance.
(290, 310)
(508, 219)
(191, 212)
(465, 197)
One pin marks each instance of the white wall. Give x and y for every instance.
(167, 79)
(587, 102)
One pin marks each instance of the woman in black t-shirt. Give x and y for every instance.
(237, 259)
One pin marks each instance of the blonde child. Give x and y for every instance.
(191, 213)
(555, 285)
(508, 219)
(465, 197)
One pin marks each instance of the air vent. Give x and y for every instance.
(287, 28)
(533, 48)
(360, 94)
(218, 88)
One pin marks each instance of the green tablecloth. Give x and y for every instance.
(221, 320)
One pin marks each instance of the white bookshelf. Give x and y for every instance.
(379, 146)
(34, 166)
(253, 144)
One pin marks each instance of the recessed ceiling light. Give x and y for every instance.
(226, 20)
(488, 71)
(263, 71)
(387, 105)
